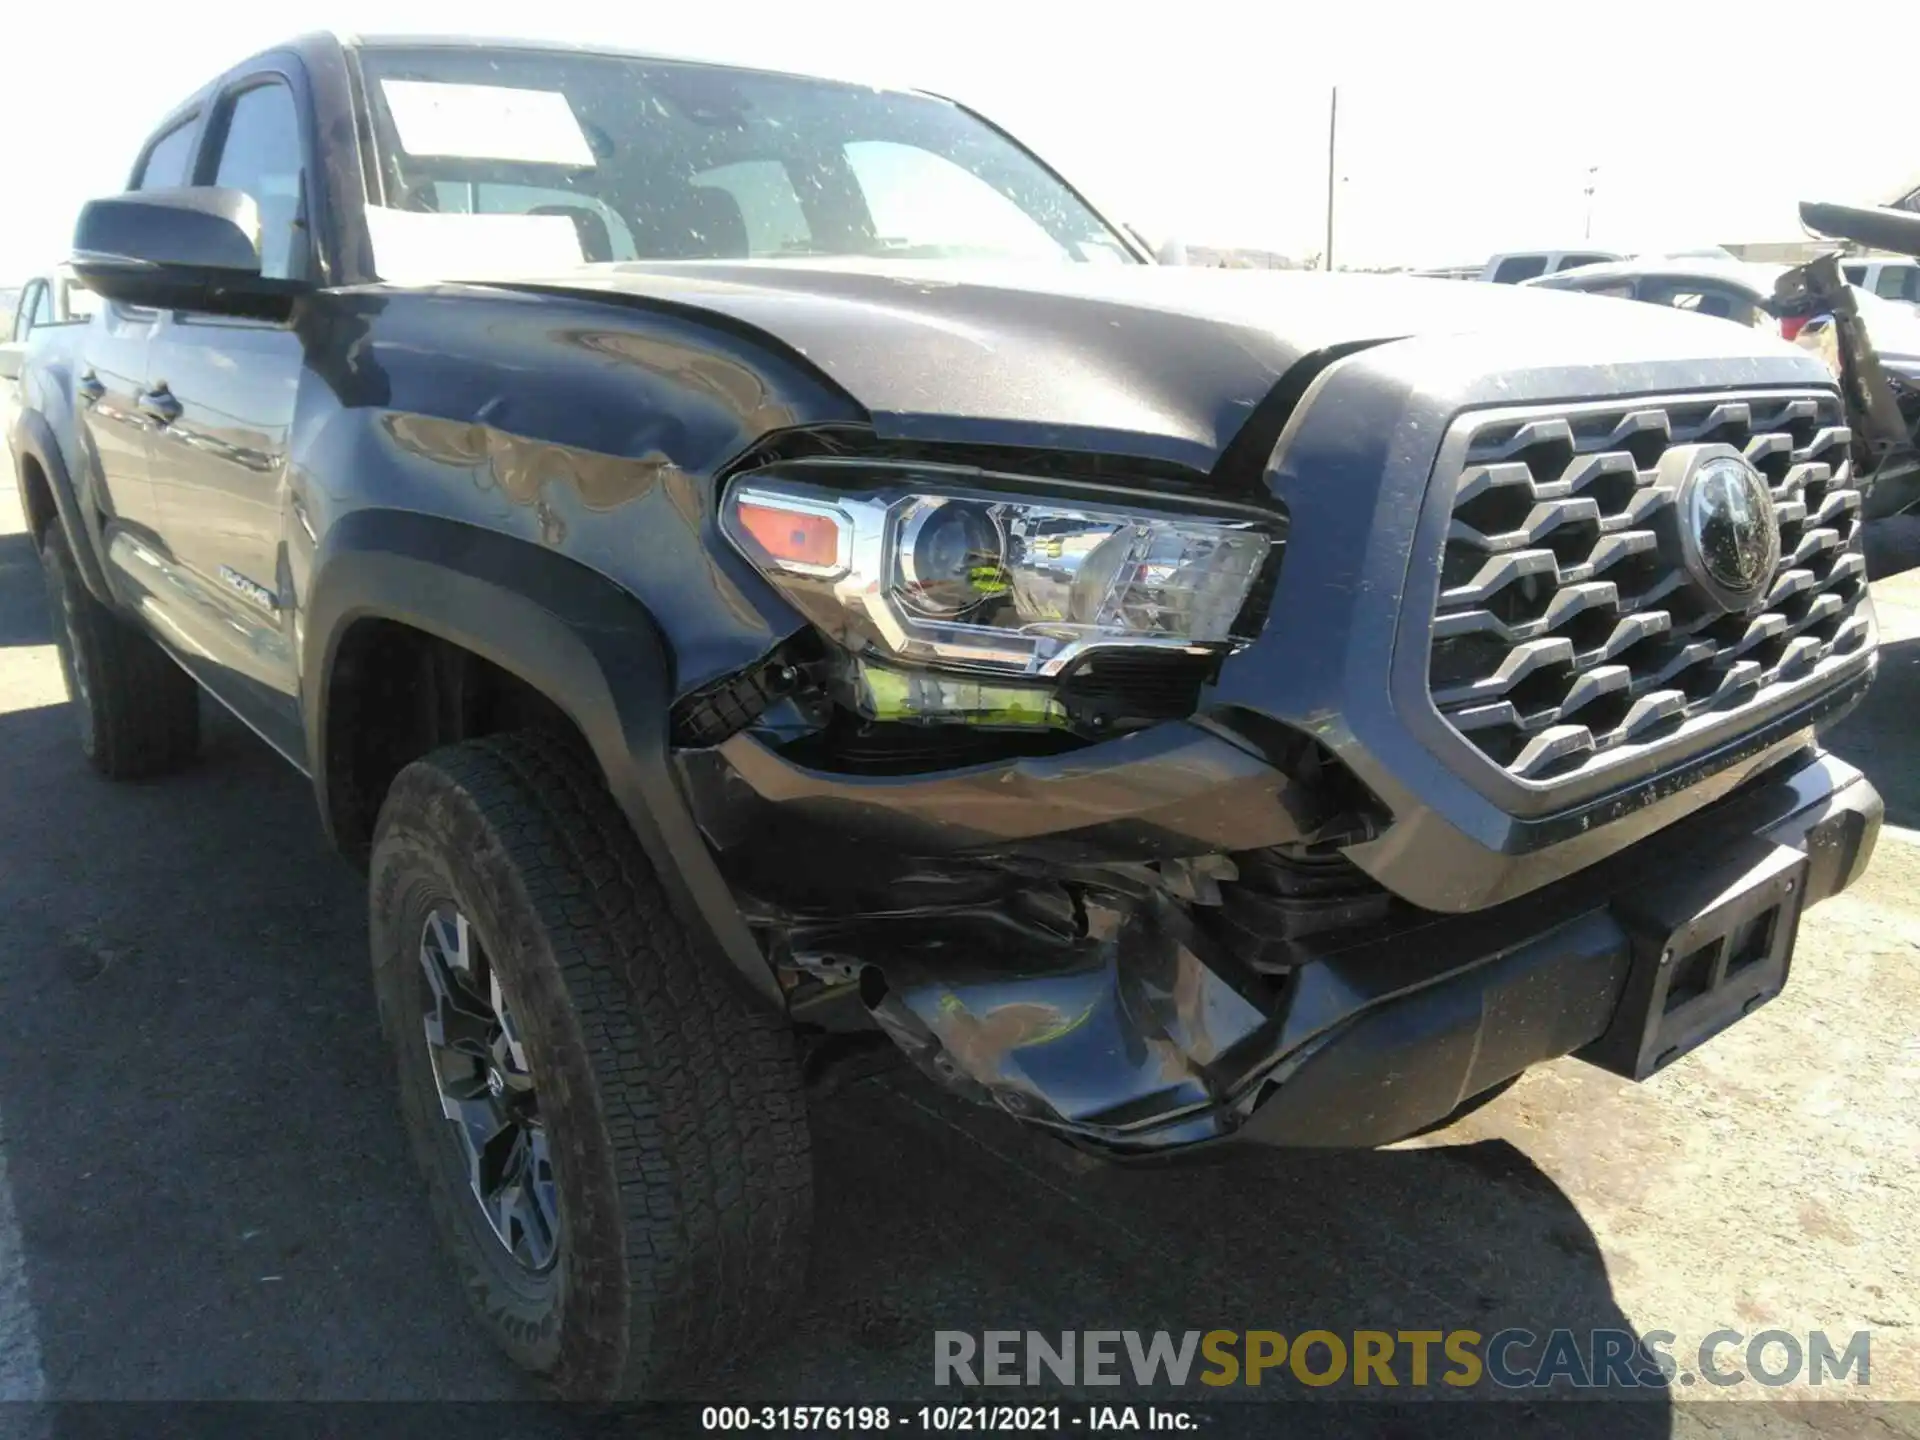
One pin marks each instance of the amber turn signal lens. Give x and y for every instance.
(796, 537)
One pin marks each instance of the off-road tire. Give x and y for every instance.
(138, 712)
(673, 1103)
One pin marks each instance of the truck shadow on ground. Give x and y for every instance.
(1882, 736)
(23, 620)
(216, 1202)
(938, 1216)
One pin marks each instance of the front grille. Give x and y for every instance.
(1563, 635)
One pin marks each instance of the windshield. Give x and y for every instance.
(522, 158)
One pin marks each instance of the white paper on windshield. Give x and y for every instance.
(411, 247)
(486, 122)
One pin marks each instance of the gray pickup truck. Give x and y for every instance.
(760, 573)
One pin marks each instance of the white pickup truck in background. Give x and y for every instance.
(1512, 266)
(51, 299)
(1891, 277)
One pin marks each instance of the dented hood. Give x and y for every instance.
(1153, 361)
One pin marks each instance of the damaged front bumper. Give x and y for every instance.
(1315, 912)
(1135, 1025)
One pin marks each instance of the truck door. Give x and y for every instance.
(110, 365)
(220, 393)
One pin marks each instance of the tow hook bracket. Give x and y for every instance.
(1706, 950)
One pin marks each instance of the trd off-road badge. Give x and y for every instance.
(1728, 531)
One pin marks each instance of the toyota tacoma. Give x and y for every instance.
(757, 568)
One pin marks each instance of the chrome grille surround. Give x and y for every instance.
(1563, 638)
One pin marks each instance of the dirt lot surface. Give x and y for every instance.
(203, 1190)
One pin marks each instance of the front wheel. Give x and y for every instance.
(613, 1136)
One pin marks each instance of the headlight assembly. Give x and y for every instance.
(936, 569)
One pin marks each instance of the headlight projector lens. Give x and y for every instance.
(952, 557)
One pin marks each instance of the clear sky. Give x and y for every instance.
(1465, 127)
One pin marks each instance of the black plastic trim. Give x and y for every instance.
(33, 436)
(574, 636)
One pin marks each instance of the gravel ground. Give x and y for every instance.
(203, 1191)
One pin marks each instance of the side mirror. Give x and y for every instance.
(1894, 230)
(195, 248)
(12, 353)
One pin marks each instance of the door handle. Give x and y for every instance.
(88, 387)
(160, 406)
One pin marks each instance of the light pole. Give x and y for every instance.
(1592, 170)
(1333, 130)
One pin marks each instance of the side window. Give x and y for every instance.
(1898, 282)
(1856, 274)
(43, 307)
(168, 159)
(764, 192)
(1520, 267)
(916, 196)
(260, 154)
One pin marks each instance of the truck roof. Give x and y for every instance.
(402, 41)
(310, 45)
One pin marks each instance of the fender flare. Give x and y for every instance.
(576, 637)
(33, 438)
